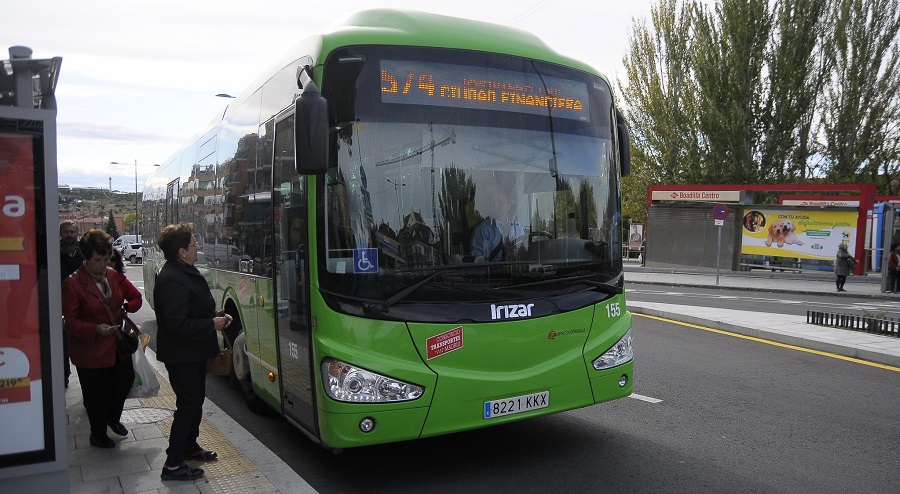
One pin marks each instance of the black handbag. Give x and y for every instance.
(126, 337)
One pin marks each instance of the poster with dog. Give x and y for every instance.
(803, 233)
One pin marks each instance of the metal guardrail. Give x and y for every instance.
(866, 324)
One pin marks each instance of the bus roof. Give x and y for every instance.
(411, 28)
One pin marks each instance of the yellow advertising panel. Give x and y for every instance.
(800, 233)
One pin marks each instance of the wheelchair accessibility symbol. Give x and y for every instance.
(365, 260)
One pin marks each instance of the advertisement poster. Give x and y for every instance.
(799, 233)
(635, 236)
(21, 395)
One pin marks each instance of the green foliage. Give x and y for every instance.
(796, 75)
(728, 56)
(111, 226)
(457, 202)
(753, 91)
(563, 224)
(661, 99)
(861, 110)
(634, 190)
(128, 222)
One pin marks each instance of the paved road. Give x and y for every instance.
(712, 413)
(733, 416)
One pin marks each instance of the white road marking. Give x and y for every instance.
(888, 306)
(644, 398)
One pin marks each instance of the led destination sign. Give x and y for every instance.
(462, 86)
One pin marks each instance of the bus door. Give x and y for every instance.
(292, 282)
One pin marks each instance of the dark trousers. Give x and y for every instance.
(189, 384)
(841, 279)
(893, 280)
(104, 392)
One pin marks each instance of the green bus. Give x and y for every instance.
(415, 221)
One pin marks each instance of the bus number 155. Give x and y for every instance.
(613, 310)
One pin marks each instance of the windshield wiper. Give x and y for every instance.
(402, 294)
(610, 288)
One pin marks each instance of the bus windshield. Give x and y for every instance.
(481, 177)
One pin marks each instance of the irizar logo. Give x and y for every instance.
(511, 311)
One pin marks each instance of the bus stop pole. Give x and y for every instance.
(718, 254)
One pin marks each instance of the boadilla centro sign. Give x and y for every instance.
(696, 195)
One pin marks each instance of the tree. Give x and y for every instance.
(457, 201)
(752, 91)
(634, 191)
(111, 226)
(128, 222)
(563, 223)
(586, 210)
(728, 60)
(796, 71)
(661, 98)
(860, 107)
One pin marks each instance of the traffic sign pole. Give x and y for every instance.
(718, 255)
(720, 212)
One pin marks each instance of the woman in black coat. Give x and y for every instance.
(187, 320)
(841, 267)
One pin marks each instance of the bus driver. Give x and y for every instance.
(486, 243)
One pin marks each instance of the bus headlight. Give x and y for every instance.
(346, 382)
(621, 352)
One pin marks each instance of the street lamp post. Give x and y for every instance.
(396, 185)
(137, 225)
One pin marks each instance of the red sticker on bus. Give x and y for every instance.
(445, 342)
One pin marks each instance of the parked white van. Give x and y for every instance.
(124, 240)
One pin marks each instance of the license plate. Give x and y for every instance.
(516, 404)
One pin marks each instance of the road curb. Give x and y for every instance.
(884, 296)
(807, 343)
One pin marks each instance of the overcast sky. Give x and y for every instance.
(139, 77)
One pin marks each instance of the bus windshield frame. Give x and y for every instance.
(432, 163)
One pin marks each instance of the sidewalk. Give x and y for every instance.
(134, 465)
(809, 282)
(791, 330)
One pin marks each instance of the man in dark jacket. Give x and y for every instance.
(70, 259)
(894, 269)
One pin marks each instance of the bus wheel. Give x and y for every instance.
(240, 370)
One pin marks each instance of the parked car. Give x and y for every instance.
(124, 240)
(224, 256)
(132, 252)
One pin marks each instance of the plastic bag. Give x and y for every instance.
(145, 382)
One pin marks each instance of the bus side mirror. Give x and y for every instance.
(624, 144)
(311, 131)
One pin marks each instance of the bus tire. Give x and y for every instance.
(240, 373)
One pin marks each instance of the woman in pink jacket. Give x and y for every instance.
(95, 299)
